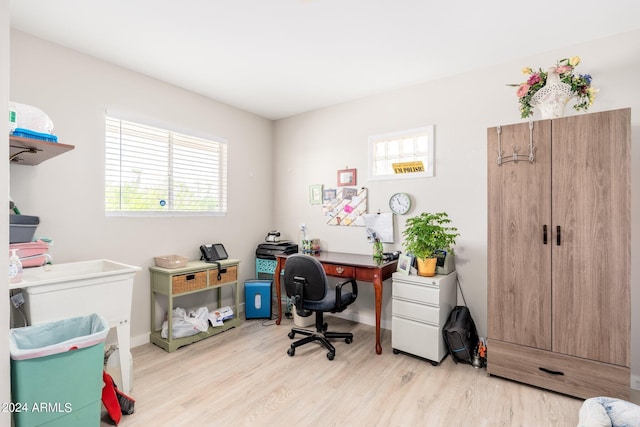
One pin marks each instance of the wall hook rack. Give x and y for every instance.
(516, 156)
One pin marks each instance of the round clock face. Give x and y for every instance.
(400, 203)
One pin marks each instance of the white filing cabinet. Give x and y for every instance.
(420, 309)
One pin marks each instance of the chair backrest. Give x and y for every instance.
(300, 265)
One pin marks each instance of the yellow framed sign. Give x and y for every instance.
(408, 167)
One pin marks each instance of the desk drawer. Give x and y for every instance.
(418, 293)
(188, 282)
(339, 270)
(230, 275)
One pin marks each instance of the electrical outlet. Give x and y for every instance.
(17, 299)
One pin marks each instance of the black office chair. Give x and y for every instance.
(306, 284)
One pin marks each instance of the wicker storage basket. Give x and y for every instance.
(188, 282)
(228, 276)
(171, 261)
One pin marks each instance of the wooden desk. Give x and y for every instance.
(361, 267)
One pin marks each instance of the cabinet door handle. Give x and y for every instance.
(339, 270)
(558, 235)
(544, 234)
(549, 371)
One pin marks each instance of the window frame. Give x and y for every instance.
(427, 131)
(172, 132)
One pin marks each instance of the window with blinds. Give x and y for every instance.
(403, 154)
(153, 171)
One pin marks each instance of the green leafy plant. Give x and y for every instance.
(427, 233)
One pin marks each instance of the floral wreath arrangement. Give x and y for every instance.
(562, 77)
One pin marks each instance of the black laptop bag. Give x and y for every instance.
(460, 334)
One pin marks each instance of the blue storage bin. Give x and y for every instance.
(257, 299)
(26, 133)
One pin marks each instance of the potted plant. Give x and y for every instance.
(424, 235)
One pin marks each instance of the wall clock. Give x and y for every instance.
(400, 203)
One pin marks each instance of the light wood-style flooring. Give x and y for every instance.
(244, 377)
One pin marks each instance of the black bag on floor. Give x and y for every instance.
(460, 334)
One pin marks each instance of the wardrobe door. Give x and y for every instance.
(591, 236)
(519, 209)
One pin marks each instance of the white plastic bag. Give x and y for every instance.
(199, 319)
(32, 118)
(184, 324)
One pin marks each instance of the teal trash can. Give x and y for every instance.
(56, 372)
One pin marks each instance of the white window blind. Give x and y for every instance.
(149, 170)
(408, 147)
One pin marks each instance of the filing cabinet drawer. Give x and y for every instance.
(418, 293)
(418, 339)
(337, 270)
(418, 312)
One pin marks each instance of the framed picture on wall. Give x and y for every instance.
(315, 194)
(329, 194)
(347, 177)
(349, 193)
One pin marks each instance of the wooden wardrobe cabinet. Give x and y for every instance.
(559, 253)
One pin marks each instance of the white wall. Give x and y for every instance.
(310, 148)
(67, 192)
(5, 388)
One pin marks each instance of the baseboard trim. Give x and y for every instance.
(635, 382)
(143, 339)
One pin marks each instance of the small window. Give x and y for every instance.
(404, 154)
(154, 171)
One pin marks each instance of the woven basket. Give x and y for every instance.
(188, 282)
(227, 276)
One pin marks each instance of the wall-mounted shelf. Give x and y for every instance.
(29, 151)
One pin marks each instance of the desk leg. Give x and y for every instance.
(377, 286)
(276, 282)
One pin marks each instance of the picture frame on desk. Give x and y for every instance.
(404, 263)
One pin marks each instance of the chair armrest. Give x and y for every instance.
(354, 291)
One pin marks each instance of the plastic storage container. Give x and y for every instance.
(22, 228)
(26, 133)
(32, 254)
(56, 372)
(171, 261)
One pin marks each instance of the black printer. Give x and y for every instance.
(269, 250)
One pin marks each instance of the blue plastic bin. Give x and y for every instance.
(56, 372)
(27, 133)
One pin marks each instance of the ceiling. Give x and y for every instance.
(278, 58)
